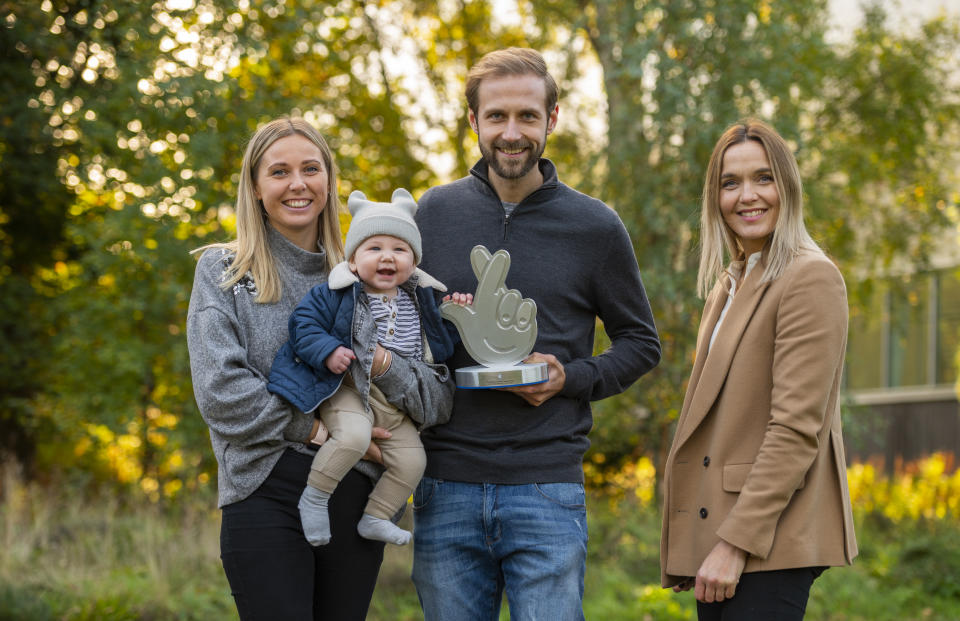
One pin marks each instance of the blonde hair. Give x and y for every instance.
(251, 251)
(511, 61)
(790, 236)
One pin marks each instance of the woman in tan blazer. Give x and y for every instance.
(756, 502)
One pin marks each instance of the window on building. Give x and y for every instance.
(907, 333)
(865, 342)
(909, 343)
(948, 326)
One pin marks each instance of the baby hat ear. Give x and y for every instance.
(404, 200)
(356, 201)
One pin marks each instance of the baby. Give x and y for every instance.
(374, 307)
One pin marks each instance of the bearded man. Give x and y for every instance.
(501, 507)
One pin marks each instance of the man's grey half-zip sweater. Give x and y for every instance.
(572, 255)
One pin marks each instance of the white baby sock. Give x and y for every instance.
(382, 530)
(314, 517)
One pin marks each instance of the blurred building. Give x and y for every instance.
(901, 365)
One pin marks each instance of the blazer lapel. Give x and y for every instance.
(711, 313)
(715, 364)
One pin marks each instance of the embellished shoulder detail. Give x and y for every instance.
(246, 281)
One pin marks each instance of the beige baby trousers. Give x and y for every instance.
(350, 426)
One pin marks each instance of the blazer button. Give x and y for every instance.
(703, 512)
(706, 461)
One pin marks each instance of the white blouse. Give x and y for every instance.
(734, 271)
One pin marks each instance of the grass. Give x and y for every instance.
(64, 558)
(110, 559)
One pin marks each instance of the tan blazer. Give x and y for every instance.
(757, 458)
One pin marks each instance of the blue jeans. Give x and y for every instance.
(472, 541)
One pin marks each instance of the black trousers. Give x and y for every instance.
(779, 595)
(274, 573)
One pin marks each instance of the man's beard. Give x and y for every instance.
(514, 169)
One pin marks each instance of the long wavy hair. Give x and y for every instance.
(250, 249)
(718, 243)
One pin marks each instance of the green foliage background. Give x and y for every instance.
(122, 126)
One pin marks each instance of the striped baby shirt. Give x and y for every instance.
(398, 323)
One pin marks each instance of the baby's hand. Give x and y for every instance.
(462, 299)
(340, 359)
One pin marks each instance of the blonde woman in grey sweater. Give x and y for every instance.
(288, 238)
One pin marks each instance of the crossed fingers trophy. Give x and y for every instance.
(498, 330)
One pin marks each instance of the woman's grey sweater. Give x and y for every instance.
(232, 341)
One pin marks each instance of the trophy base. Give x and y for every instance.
(502, 376)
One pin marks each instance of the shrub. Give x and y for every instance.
(931, 563)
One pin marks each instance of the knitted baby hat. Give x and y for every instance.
(394, 218)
